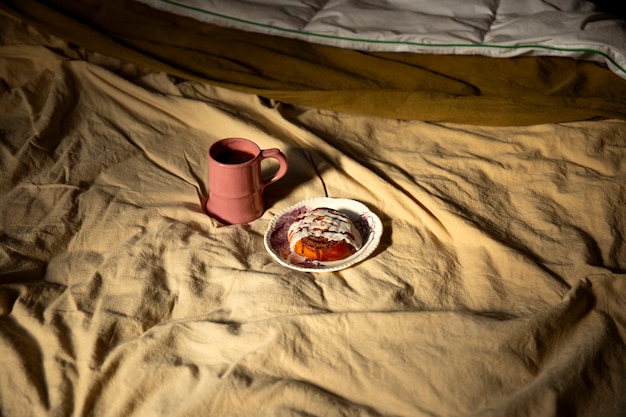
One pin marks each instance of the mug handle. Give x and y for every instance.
(282, 160)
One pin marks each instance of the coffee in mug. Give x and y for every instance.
(234, 156)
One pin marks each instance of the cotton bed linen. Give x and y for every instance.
(505, 28)
(498, 288)
(437, 87)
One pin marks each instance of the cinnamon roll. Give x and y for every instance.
(324, 234)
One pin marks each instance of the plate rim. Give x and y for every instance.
(310, 203)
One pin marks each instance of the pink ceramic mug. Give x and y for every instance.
(235, 180)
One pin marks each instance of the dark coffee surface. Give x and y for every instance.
(234, 156)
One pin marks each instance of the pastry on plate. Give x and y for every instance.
(324, 234)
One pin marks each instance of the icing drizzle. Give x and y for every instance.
(323, 222)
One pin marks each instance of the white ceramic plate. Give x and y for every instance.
(366, 222)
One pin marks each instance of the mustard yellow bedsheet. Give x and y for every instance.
(498, 288)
